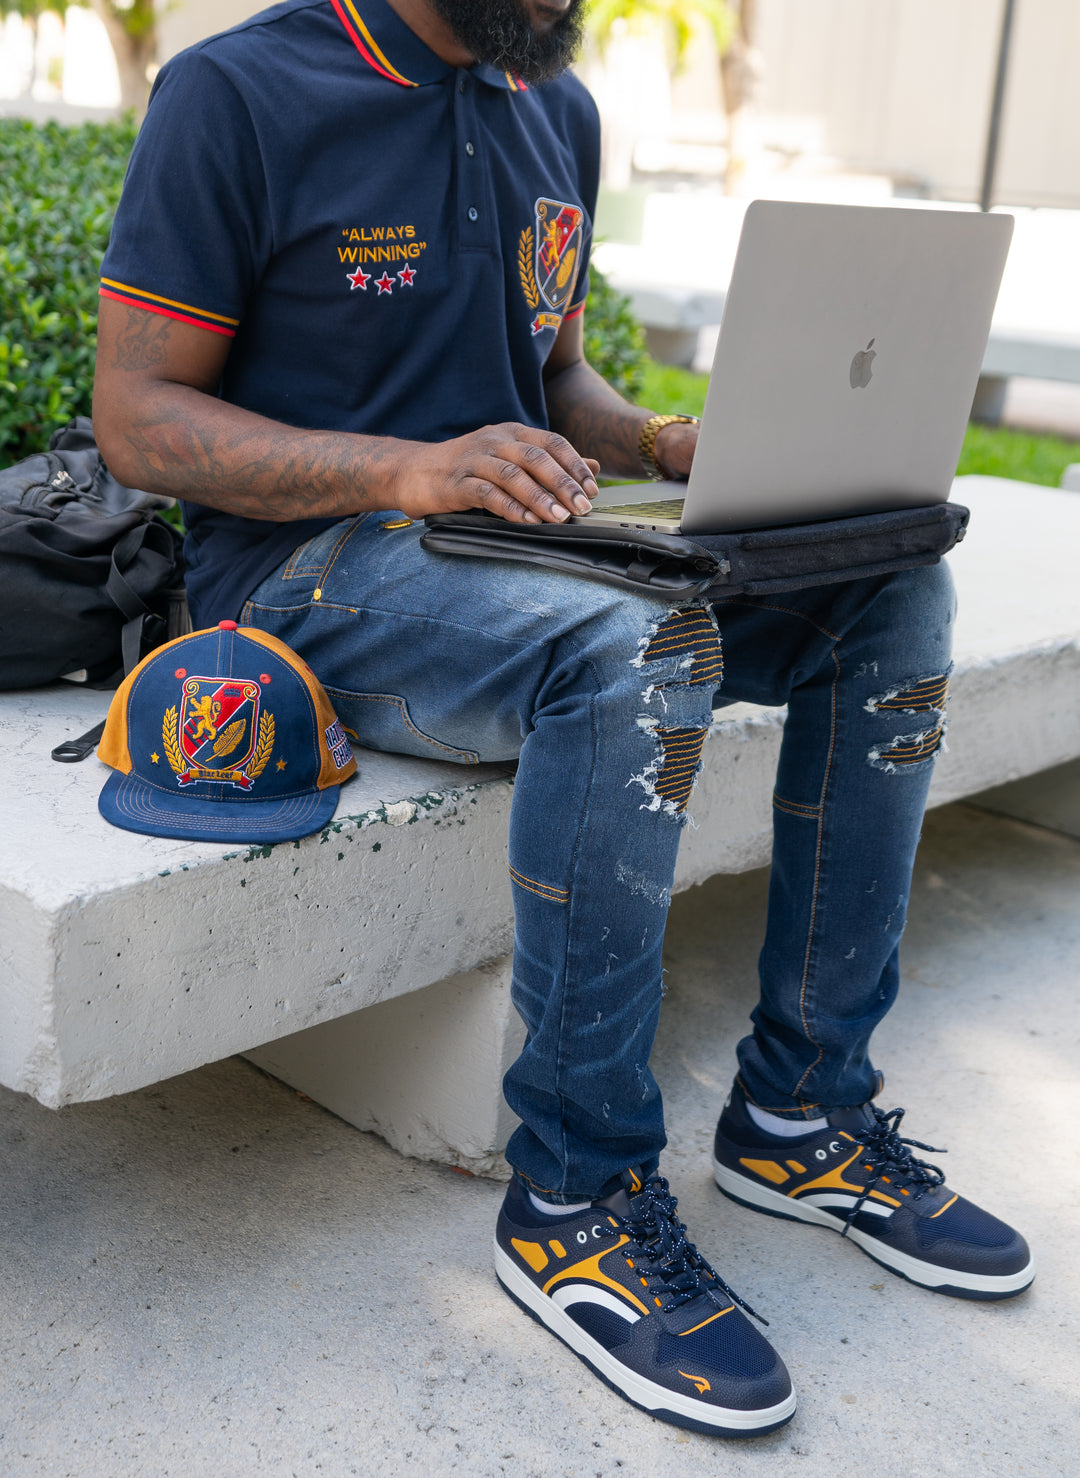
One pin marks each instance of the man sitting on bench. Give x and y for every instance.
(345, 290)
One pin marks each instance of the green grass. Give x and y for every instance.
(991, 450)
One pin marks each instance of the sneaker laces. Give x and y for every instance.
(660, 1236)
(888, 1151)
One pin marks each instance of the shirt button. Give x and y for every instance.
(470, 149)
(473, 213)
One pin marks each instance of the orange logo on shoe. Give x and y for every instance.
(697, 1380)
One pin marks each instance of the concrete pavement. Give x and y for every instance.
(214, 1277)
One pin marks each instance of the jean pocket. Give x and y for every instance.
(382, 721)
(314, 559)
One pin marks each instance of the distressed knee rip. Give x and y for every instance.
(690, 636)
(927, 695)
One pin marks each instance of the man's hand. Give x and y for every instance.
(522, 474)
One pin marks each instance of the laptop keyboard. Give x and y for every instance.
(662, 508)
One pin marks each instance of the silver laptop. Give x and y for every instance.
(847, 361)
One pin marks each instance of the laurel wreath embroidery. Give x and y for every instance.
(525, 269)
(260, 759)
(265, 746)
(225, 743)
(172, 747)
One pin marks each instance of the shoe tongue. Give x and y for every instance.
(620, 1201)
(854, 1120)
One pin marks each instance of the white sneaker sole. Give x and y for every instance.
(978, 1285)
(647, 1394)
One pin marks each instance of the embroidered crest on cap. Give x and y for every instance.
(220, 735)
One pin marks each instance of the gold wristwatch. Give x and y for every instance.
(647, 441)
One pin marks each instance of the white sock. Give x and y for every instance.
(549, 1209)
(785, 1128)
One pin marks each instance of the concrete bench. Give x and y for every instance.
(368, 965)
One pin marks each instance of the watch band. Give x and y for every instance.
(647, 441)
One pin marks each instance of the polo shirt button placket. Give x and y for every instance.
(473, 185)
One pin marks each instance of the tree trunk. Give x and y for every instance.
(133, 53)
(32, 22)
(740, 74)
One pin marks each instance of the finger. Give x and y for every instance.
(553, 504)
(531, 460)
(581, 469)
(497, 500)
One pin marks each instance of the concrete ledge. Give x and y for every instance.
(1050, 799)
(127, 959)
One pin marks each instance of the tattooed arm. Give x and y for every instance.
(160, 426)
(592, 416)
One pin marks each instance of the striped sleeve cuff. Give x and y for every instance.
(136, 297)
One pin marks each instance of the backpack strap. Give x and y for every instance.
(142, 626)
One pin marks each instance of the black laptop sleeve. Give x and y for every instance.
(674, 567)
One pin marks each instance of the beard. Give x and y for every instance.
(500, 34)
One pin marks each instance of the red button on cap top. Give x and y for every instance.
(226, 625)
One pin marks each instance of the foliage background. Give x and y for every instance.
(61, 186)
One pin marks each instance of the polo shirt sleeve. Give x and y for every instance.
(192, 233)
(587, 130)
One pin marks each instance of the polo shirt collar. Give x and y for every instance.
(389, 47)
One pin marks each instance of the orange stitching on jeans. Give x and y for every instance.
(542, 890)
(909, 749)
(689, 633)
(464, 755)
(926, 695)
(340, 545)
(682, 755)
(817, 879)
(761, 605)
(292, 570)
(796, 808)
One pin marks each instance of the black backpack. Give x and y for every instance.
(89, 570)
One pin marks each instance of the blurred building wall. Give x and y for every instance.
(903, 87)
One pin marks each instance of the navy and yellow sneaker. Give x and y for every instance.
(859, 1177)
(624, 1288)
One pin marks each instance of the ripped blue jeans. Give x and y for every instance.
(605, 700)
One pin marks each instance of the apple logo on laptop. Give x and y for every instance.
(861, 367)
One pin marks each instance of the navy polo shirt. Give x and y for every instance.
(389, 243)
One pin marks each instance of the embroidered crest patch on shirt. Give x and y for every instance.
(549, 259)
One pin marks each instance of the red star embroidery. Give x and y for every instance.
(385, 283)
(407, 276)
(359, 278)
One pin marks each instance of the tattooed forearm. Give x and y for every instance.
(143, 343)
(584, 408)
(218, 454)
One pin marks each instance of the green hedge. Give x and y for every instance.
(61, 187)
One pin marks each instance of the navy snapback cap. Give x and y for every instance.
(225, 735)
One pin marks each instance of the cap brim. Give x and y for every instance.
(132, 804)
